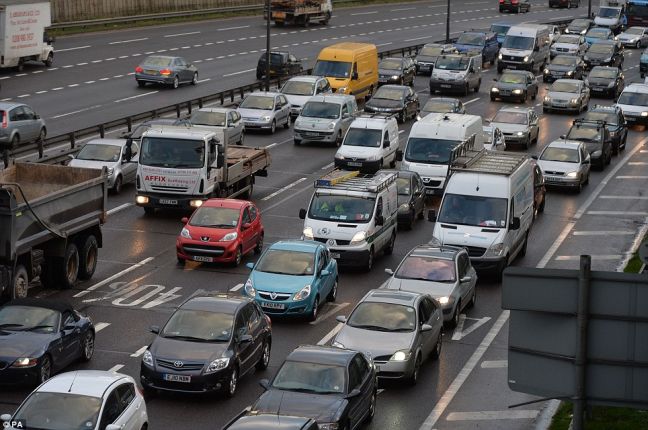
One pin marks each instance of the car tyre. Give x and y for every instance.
(523, 249)
(117, 186)
(312, 316)
(338, 139)
(194, 80)
(541, 206)
(141, 84)
(259, 245)
(149, 211)
(238, 257)
(264, 361)
(15, 141)
(232, 383)
(49, 60)
(88, 255)
(401, 116)
(372, 408)
(332, 296)
(88, 346)
(19, 283)
(413, 379)
(455, 316)
(44, 369)
(369, 262)
(287, 124)
(389, 249)
(176, 82)
(436, 352)
(273, 127)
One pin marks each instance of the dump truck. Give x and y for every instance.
(301, 12)
(50, 225)
(179, 167)
(23, 36)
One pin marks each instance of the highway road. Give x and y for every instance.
(138, 283)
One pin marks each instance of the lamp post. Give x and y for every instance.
(267, 54)
(448, 23)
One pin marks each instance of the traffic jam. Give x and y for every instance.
(160, 279)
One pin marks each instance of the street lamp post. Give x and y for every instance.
(448, 23)
(267, 54)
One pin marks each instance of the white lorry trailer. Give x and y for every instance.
(22, 33)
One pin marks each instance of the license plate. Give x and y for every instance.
(168, 202)
(354, 164)
(309, 133)
(151, 72)
(203, 259)
(445, 86)
(271, 305)
(335, 254)
(560, 105)
(177, 378)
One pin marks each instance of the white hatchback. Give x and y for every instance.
(88, 399)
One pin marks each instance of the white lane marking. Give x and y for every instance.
(96, 61)
(73, 49)
(89, 82)
(331, 334)
(460, 333)
(236, 287)
(57, 88)
(141, 351)
(104, 79)
(494, 364)
(238, 73)
(82, 64)
(419, 38)
(336, 308)
(135, 97)
(328, 166)
(76, 111)
(363, 13)
(454, 387)
(594, 257)
(568, 228)
(119, 208)
(41, 92)
(637, 163)
(631, 177)
(384, 44)
(233, 28)
(23, 96)
(128, 41)
(118, 76)
(113, 277)
(471, 101)
(618, 213)
(110, 59)
(4, 77)
(604, 233)
(281, 190)
(73, 85)
(204, 80)
(182, 34)
(402, 8)
(25, 74)
(116, 368)
(272, 145)
(5, 99)
(100, 326)
(625, 197)
(493, 415)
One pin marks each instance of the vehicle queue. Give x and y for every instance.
(214, 339)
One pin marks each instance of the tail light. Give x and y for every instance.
(138, 69)
(4, 118)
(514, 1)
(165, 72)
(501, 1)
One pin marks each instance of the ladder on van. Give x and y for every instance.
(355, 181)
(491, 162)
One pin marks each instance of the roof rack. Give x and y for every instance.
(355, 181)
(591, 122)
(375, 115)
(493, 162)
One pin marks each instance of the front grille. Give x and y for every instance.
(382, 358)
(278, 296)
(209, 251)
(314, 133)
(548, 172)
(512, 58)
(337, 241)
(169, 188)
(186, 366)
(473, 251)
(428, 182)
(562, 49)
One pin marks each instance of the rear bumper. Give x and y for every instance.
(154, 79)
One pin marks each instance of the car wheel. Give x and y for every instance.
(410, 222)
(541, 206)
(176, 82)
(415, 372)
(265, 357)
(372, 408)
(466, 90)
(117, 186)
(586, 179)
(389, 249)
(242, 139)
(19, 284)
(88, 346)
(287, 124)
(312, 316)
(41, 136)
(88, 254)
(232, 383)
(436, 352)
(534, 95)
(259, 245)
(527, 143)
(49, 60)
(333, 294)
(473, 299)
(370, 258)
(238, 257)
(476, 89)
(455, 316)
(194, 80)
(638, 44)
(608, 160)
(15, 141)
(273, 127)
(523, 250)
(338, 139)
(45, 369)
(297, 142)
(141, 84)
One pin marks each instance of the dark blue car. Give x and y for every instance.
(481, 41)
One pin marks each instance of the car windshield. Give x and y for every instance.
(383, 317)
(634, 99)
(332, 69)
(518, 42)
(403, 185)
(564, 60)
(216, 119)
(499, 29)
(470, 39)
(565, 38)
(157, 61)
(600, 72)
(29, 318)
(511, 117)
(598, 33)
(206, 216)
(341, 208)
(512, 78)
(579, 24)
(600, 48)
(299, 88)
(385, 93)
(426, 269)
(199, 326)
(565, 155)
(452, 63)
(321, 110)
(369, 138)
(287, 262)
(608, 12)
(586, 134)
(99, 152)
(258, 102)
(438, 106)
(59, 411)
(172, 153)
(564, 87)
(634, 31)
(431, 51)
(390, 64)
(310, 378)
(610, 118)
(429, 151)
(473, 210)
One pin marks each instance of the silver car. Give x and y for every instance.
(109, 153)
(163, 69)
(571, 95)
(565, 164)
(228, 119)
(444, 273)
(634, 37)
(20, 124)
(399, 329)
(325, 118)
(265, 110)
(518, 124)
(568, 44)
(300, 89)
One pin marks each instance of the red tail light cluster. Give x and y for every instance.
(138, 69)
(165, 72)
(3, 114)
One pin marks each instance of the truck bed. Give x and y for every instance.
(244, 161)
(290, 4)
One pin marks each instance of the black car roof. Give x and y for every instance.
(322, 355)
(269, 421)
(216, 302)
(55, 305)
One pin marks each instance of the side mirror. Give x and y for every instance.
(249, 265)
(432, 217)
(426, 327)
(246, 226)
(346, 115)
(184, 220)
(586, 161)
(302, 213)
(69, 327)
(563, 136)
(399, 155)
(380, 220)
(536, 48)
(246, 338)
(535, 157)
(515, 224)
(354, 76)
(277, 107)
(265, 384)
(465, 279)
(354, 393)
(495, 79)
(51, 40)
(471, 70)
(325, 272)
(154, 329)
(341, 318)
(71, 157)
(231, 125)
(389, 271)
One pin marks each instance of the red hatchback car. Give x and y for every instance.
(221, 231)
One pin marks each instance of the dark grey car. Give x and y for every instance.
(166, 70)
(411, 197)
(20, 124)
(515, 85)
(441, 105)
(563, 66)
(394, 100)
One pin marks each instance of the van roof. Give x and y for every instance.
(355, 181)
(376, 123)
(346, 49)
(450, 118)
(492, 162)
(526, 29)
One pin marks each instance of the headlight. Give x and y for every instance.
(147, 358)
(499, 57)
(403, 355)
(520, 133)
(185, 233)
(196, 203)
(142, 200)
(644, 113)
(331, 125)
(569, 73)
(308, 233)
(266, 118)
(339, 157)
(583, 31)
(547, 99)
(495, 250)
(298, 123)
(418, 117)
(611, 84)
(395, 77)
(111, 171)
(329, 426)
(249, 288)
(303, 293)
(566, 30)
(597, 153)
(574, 101)
(338, 345)
(517, 91)
(218, 364)
(526, 59)
(444, 300)
(25, 362)
(342, 90)
(608, 59)
(359, 237)
(572, 174)
(229, 237)
(404, 207)
(495, 90)
(546, 71)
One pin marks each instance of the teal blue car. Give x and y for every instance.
(293, 278)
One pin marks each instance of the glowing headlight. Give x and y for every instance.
(266, 118)
(142, 200)
(395, 77)
(359, 237)
(611, 84)
(444, 300)
(338, 345)
(229, 237)
(644, 113)
(583, 31)
(25, 362)
(303, 293)
(517, 91)
(401, 356)
(196, 203)
(147, 358)
(342, 90)
(494, 90)
(574, 101)
(404, 207)
(216, 365)
(329, 426)
(185, 233)
(547, 99)
(520, 133)
(249, 288)
(569, 73)
(308, 233)
(526, 59)
(546, 71)
(499, 57)
(572, 174)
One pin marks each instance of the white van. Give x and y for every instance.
(369, 144)
(430, 144)
(354, 215)
(525, 47)
(487, 208)
(457, 73)
(609, 17)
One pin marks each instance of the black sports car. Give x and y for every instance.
(39, 337)
(394, 100)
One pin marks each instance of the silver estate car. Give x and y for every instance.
(570, 95)
(300, 89)
(565, 164)
(518, 124)
(163, 69)
(265, 110)
(443, 272)
(226, 118)
(20, 124)
(109, 153)
(325, 118)
(399, 329)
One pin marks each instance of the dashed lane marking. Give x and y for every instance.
(73, 49)
(494, 364)
(493, 415)
(336, 307)
(113, 277)
(283, 189)
(330, 335)
(139, 351)
(116, 368)
(239, 73)
(182, 34)
(236, 287)
(100, 326)
(136, 97)
(127, 41)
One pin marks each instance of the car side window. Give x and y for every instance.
(67, 319)
(284, 100)
(344, 109)
(583, 155)
(241, 323)
(126, 394)
(362, 365)
(379, 206)
(424, 314)
(253, 314)
(465, 264)
(16, 114)
(253, 213)
(28, 113)
(429, 304)
(321, 263)
(245, 218)
(112, 410)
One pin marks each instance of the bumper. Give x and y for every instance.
(163, 201)
(561, 182)
(424, 68)
(193, 250)
(19, 377)
(643, 67)
(155, 79)
(488, 265)
(405, 217)
(636, 120)
(286, 308)
(503, 64)
(507, 96)
(383, 80)
(355, 165)
(383, 111)
(442, 86)
(350, 257)
(295, 111)
(516, 139)
(315, 136)
(154, 379)
(395, 369)
(569, 107)
(257, 124)
(508, 8)
(603, 91)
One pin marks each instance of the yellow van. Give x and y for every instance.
(351, 68)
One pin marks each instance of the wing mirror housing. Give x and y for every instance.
(184, 220)
(515, 224)
(265, 384)
(154, 329)
(246, 338)
(341, 318)
(466, 279)
(249, 265)
(426, 327)
(389, 271)
(302, 213)
(246, 226)
(354, 393)
(325, 272)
